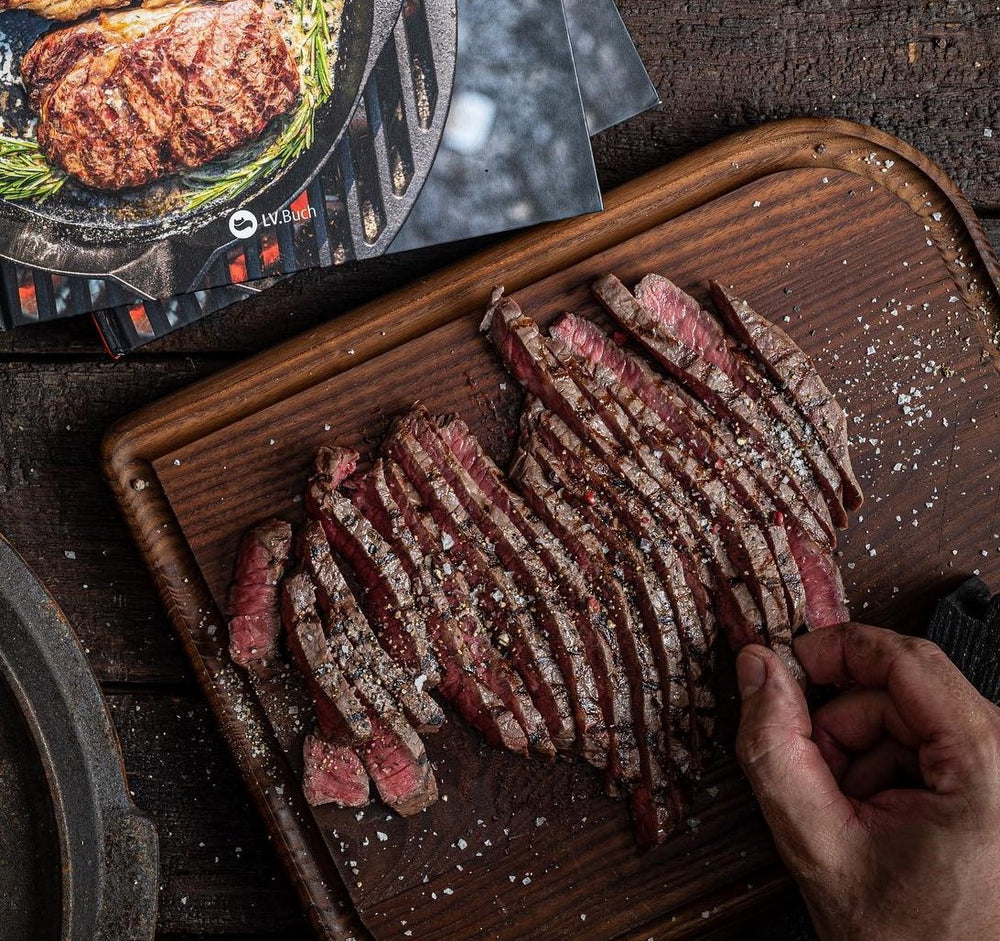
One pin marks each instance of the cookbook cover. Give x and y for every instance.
(144, 150)
(490, 160)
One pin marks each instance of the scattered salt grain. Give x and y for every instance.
(382, 836)
(69, 553)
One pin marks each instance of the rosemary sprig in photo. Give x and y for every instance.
(25, 173)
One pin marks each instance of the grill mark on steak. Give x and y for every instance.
(498, 596)
(98, 87)
(394, 754)
(794, 372)
(388, 598)
(255, 621)
(340, 712)
(673, 602)
(416, 454)
(345, 620)
(596, 623)
(763, 418)
(529, 359)
(478, 618)
(333, 774)
(730, 539)
(759, 478)
(464, 680)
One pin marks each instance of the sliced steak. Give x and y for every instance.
(497, 595)
(766, 418)
(341, 714)
(406, 444)
(674, 605)
(255, 621)
(333, 774)
(389, 600)
(484, 625)
(599, 627)
(529, 359)
(756, 475)
(348, 626)
(393, 755)
(794, 372)
(732, 539)
(462, 675)
(612, 569)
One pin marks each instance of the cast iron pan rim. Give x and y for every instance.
(108, 848)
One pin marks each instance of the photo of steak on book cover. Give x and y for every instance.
(163, 160)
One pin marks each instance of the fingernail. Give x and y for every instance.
(751, 672)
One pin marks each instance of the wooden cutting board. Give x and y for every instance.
(850, 239)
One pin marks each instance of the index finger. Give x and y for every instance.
(929, 691)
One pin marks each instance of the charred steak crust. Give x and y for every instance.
(794, 372)
(461, 671)
(136, 95)
(341, 714)
(255, 619)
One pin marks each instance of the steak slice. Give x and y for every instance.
(255, 621)
(765, 418)
(347, 626)
(341, 714)
(600, 628)
(333, 774)
(394, 755)
(822, 591)
(502, 601)
(794, 372)
(406, 444)
(736, 545)
(754, 474)
(399, 617)
(612, 570)
(132, 96)
(826, 603)
(462, 675)
(533, 364)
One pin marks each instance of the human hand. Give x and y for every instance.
(885, 805)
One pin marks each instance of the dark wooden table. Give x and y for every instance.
(923, 71)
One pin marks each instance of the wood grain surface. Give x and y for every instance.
(923, 71)
(863, 251)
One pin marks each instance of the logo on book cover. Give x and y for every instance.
(242, 224)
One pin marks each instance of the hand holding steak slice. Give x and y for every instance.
(133, 96)
(255, 622)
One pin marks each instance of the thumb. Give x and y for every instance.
(798, 795)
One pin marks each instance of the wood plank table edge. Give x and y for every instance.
(133, 443)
